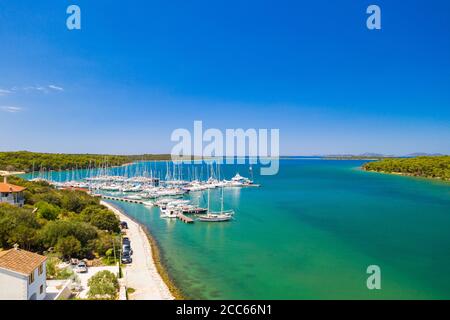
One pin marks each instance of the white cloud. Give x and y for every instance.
(10, 109)
(36, 88)
(4, 92)
(57, 88)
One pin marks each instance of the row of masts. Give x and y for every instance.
(173, 171)
(153, 183)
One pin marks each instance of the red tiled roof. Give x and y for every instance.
(20, 261)
(6, 187)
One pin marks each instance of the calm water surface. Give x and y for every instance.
(310, 232)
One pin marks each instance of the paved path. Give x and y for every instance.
(141, 274)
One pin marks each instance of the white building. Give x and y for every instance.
(22, 275)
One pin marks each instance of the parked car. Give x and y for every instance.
(123, 225)
(126, 248)
(126, 241)
(126, 258)
(81, 267)
(74, 261)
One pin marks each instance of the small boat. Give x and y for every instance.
(238, 177)
(148, 203)
(178, 202)
(240, 181)
(163, 201)
(169, 213)
(134, 197)
(193, 210)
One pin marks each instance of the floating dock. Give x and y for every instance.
(185, 219)
(120, 199)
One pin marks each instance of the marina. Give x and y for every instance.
(165, 186)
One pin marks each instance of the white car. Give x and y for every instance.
(81, 267)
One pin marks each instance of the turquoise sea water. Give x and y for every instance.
(310, 232)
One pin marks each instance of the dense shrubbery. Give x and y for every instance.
(101, 218)
(68, 246)
(430, 167)
(73, 223)
(18, 225)
(56, 273)
(103, 285)
(55, 230)
(26, 161)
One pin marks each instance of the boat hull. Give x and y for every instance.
(215, 219)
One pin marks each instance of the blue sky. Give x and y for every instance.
(140, 69)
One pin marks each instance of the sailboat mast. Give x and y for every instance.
(208, 199)
(221, 205)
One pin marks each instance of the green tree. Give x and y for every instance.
(103, 285)
(47, 211)
(68, 247)
(18, 225)
(105, 220)
(7, 223)
(103, 243)
(76, 201)
(430, 166)
(27, 161)
(24, 236)
(101, 217)
(61, 217)
(54, 230)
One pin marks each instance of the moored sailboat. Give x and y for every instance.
(221, 216)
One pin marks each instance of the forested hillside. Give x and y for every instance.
(430, 167)
(27, 161)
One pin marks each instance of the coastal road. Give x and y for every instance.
(141, 274)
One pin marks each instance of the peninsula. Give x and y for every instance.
(436, 167)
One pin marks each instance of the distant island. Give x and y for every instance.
(33, 161)
(436, 167)
(376, 156)
(354, 157)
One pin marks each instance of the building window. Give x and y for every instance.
(41, 289)
(41, 269)
(31, 278)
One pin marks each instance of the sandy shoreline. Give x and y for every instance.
(142, 275)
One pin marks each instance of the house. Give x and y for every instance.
(22, 275)
(11, 194)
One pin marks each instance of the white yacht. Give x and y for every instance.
(148, 203)
(169, 212)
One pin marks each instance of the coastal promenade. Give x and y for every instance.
(141, 274)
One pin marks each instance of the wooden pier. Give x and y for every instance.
(185, 219)
(120, 199)
(180, 216)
